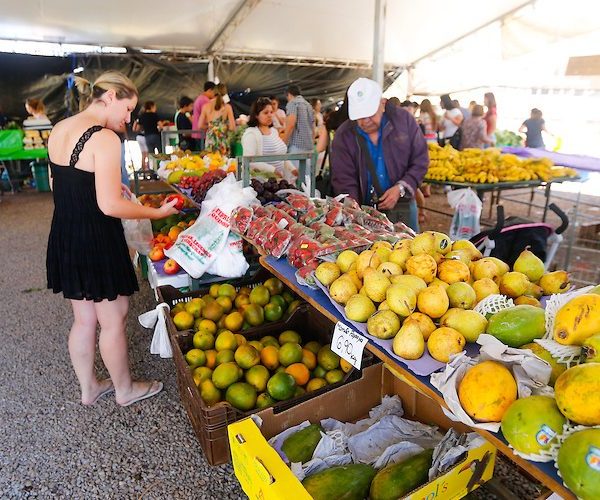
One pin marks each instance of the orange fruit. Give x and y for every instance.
(183, 320)
(246, 356)
(234, 321)
(211, 358)
(290, 353)
(309, 359)
(327, 358)
(195, 357)
(315, 384)
(208, 326)
(299, 372)
(174, 232)
(225, 302)
(269, 357)
(240, 339)
(226, 340)
(345, 366)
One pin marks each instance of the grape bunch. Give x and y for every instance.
(266, 190)
(201, 185)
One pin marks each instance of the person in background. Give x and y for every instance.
(379, 155)
(471, 105)
(451, 121)
(533, 127)
(37, 114)
(395, 101)
(87, 257)
(150, 126)
(299, 130)
(217, 119)
(316, 105)
(261, 138)
(278, 115)
(428, 119)
(183, 122)
(201, 100)
(338, 115)
(473, 130)
(489, 101)
(409, 106)
(465, 112)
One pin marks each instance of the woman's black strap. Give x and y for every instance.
(81, 143)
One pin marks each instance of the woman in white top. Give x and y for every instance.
(261, 138)
(278, 114)
(452, 118)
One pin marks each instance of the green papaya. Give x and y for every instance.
(396, 480)
(518, 325)
(343, 482)
(300, 446)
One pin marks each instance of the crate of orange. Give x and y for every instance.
(225, 377)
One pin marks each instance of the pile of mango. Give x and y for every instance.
(489, 166)
(421, 293)
(258, 373)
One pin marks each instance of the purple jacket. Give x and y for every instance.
(404, 149)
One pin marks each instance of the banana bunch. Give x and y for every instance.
(488, 166)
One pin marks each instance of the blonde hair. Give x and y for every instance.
(111, 80)
(220, 91)
(36, 105)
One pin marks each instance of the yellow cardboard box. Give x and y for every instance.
(263, 475)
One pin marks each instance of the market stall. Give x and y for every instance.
(304, 245)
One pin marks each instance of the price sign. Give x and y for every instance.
(348, 344)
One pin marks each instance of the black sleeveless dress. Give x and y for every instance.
(87, 257)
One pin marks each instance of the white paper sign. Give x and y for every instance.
(348, 344)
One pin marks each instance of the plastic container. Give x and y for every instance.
(210, 423)
(39, 170)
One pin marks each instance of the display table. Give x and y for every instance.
(544, 472)
(497, 188)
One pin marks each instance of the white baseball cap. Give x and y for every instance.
(364, 97)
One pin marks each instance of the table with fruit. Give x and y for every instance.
(419, 294)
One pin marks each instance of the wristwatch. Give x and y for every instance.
(402, 189)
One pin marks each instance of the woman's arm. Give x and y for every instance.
(230, 118)
(486, 139)
(107, 159)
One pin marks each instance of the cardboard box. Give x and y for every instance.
(263, 475)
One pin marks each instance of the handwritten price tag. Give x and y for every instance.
(348, 344)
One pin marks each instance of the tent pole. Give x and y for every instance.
(211, 69)
(379, 41)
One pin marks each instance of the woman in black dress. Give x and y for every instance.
(88, 260)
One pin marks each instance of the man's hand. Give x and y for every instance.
(389, 198)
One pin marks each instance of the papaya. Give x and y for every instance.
(487, 390)
(396, 480)
(578, 461)
(590, 350)
(531, 424)
(577, 393)
(540, 352)
(300, 446)
(577, 320)
(347, 482)
(518, 325)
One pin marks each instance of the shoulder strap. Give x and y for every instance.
(81, 143)
(364, 150)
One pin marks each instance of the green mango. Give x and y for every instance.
(518, 325)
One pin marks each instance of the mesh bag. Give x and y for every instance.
(493, 304)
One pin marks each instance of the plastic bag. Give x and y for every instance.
(198, 246)
(230, 263)
(138, 232)
(467, 211)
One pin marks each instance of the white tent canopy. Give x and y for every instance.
(325, 30)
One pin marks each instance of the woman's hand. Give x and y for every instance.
(168, 209)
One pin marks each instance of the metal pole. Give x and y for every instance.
(211, 69)
(379, 41)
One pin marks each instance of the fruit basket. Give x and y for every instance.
(210, 422)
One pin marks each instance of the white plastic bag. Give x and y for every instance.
(467, 211)
(138, 232)
(230, 263)
(198, 246)
(160, 340)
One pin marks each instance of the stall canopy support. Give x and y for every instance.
(379, 41)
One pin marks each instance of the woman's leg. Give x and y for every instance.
(112, 316)
(82, 349)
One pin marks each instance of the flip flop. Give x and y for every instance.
(103, 393)
(148, 394)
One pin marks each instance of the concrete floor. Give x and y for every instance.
(50, 445)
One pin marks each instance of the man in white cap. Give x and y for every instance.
(379, 156)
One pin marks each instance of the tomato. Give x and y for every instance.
(180, 200)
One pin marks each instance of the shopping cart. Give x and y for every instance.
(512, 235)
